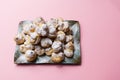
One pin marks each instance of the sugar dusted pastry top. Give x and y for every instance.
(68, 52)
(52, 29)
(69, 38)
(57, 46)
(28, 28)
(30, 53)
(42, 30)
(24, 47)
(49, 51)
(70, 45)
(61, 36)
(46, 42)
(38, 21)
(39, 51)
(34, 35)
(19, 39)
(57, 57)
(52, 38)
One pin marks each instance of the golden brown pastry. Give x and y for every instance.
(24, 47)
(42, 30)
(69, 38)
(69, 45)
(57, 58)
(30, 55)
(39, 51)
(39, 21)
(60, 22)
(19, 39)
(57, 46)
(61, 36)
(28, 28)
(69, 48)
(63, 25)
(52, 31)
(68, 52)
(48, 51)
(34, 38)
(46, 42)
(52, 22)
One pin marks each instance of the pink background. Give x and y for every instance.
(100, 38)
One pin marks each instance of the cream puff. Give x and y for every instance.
(60, 21)
(69, 45)
(24, 47)
(39, 51)
(57, 46)
(29, 27)
(57, 58)
(60, 36)
(42, 31)
(52, 31)
(64, 27)
(30, 55)
(46, 42)
(39, 21)
(52, 22)
(68, 52)
(32, 28)
(69, 38)
(48, 51)
(34, 38)
(19, 39)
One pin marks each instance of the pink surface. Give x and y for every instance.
(100, 38)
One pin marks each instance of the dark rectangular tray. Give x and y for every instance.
(75, 27)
